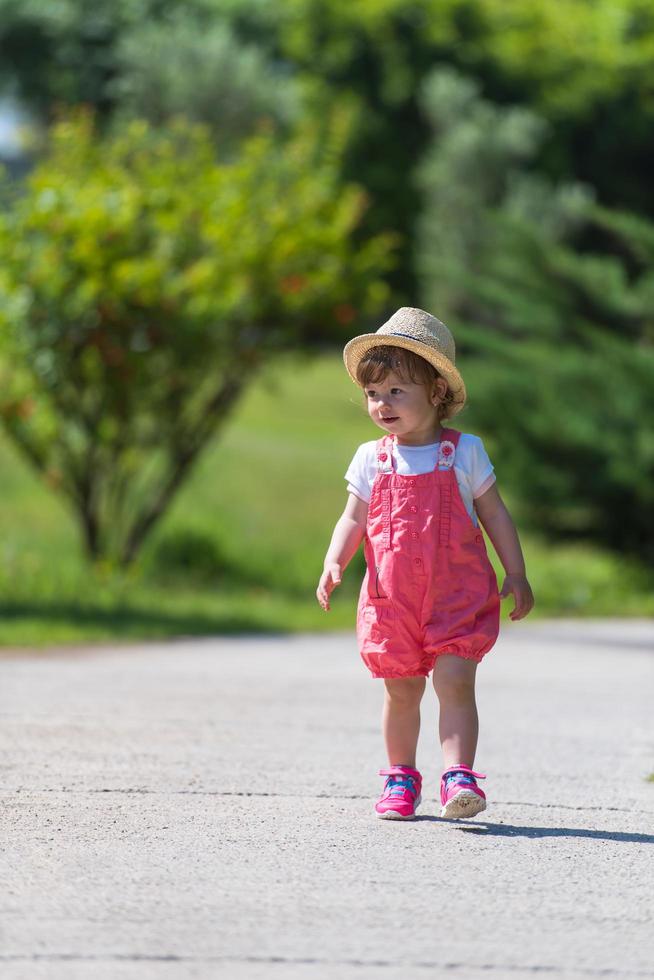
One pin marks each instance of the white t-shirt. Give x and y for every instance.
(472, 467)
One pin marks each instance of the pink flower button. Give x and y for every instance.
(446, 455)
(383, 457)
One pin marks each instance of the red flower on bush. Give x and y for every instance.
(344, 313)
(293, 284)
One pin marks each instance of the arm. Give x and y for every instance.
(501, 530)
(348, 535)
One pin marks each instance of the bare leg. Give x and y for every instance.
(454, 683)
(401, 719)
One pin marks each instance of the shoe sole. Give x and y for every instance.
(465, 804)
(394, 815)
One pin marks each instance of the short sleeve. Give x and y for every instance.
(482, 474)
(473, 467)
(360, 474)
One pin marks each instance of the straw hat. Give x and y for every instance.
(421, 333)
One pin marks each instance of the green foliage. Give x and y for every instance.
(498, 215)
(573, 435)
(188, 556)
(246, 535)
(142, 287)
(475, 172)
(76, 51)
(64, 52)
(180, 67)
(569, 53)
(551, 296)
(585, 66)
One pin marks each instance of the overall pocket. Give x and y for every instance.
(375, 623)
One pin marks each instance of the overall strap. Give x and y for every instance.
(447, 449)
(445, 466)
(385, 465)
(385, 460)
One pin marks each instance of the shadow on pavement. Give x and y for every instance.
(515, 830)
(134, 622)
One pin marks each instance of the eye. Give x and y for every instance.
(370, 393)
(396, 391)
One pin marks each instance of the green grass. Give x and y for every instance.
(242, 546)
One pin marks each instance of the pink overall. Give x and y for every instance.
(429, 587)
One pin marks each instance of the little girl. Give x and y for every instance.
(429, 600)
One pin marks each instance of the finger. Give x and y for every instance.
(521, 608)
(526, 609)
(526, 602)
(520, 601)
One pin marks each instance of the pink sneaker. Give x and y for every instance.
(401, 795)
(460, 795)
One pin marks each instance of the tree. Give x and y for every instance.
(205, 73)
(585, 67)
(550, 298)
(142, 286)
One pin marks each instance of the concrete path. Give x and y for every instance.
(204, 808)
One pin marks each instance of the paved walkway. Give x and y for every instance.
(204, 808)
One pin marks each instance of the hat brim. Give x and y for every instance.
(356, 348)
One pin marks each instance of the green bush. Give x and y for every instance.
(190, 556)
(550, 297)
(142, 286)
(205, 73)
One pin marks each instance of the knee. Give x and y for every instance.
(454, 684)
(404, 692)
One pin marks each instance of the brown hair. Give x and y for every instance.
(377, 363)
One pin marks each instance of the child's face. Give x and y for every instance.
(406, 409)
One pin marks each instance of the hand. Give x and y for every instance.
(330, 578)
(524, 597)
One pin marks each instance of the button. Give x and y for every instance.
(414, 534)
(479, 539)
(417, 561)
(383, 457)
(412, 483)
(414, 510)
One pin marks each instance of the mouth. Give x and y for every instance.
(390, 418)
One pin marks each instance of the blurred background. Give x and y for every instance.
(202, 201)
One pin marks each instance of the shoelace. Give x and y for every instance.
(460, 778)
(397, 784)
